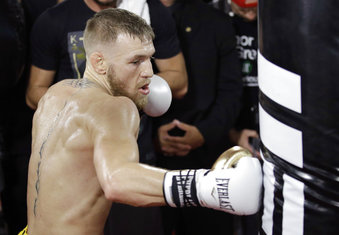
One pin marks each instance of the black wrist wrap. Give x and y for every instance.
(184, 189)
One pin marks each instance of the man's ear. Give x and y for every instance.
(98, 63)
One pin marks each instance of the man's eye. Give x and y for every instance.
(136, 62)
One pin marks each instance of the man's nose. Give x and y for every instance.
(147, 69)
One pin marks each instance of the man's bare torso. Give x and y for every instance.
(64, 195)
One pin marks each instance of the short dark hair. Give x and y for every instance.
(105, 26)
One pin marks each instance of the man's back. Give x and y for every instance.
(64, 195)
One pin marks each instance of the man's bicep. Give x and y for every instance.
(114, 133)
(112, 125)
(115, 150)
(110, 154)
(41, 77)
(39, 81)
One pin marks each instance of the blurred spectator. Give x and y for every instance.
(193, 133)
(245, 132)
(13, 53)
(16, 116)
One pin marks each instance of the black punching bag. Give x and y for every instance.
(298, 72)
(12, 43)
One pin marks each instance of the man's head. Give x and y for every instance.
(118, 47)
(245, 8)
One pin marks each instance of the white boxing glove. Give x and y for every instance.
(234, 185)
(159, 98)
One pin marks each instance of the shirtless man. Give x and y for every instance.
(84, 150)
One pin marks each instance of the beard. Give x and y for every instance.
(118, 88)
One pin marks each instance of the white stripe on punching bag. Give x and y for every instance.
(269, 181)
(280, 85)
(293, 208)
(293, 212)
(282, 140)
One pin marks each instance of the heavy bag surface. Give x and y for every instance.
(298, 71)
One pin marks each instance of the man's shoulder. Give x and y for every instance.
(112, 113)
(66, 6)
(91, 93)
(62, 11)
(166, 42)
(159, 13)
(107, 106)
(211, 13)
(203, 14)
(114, 103)
(92, 100)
